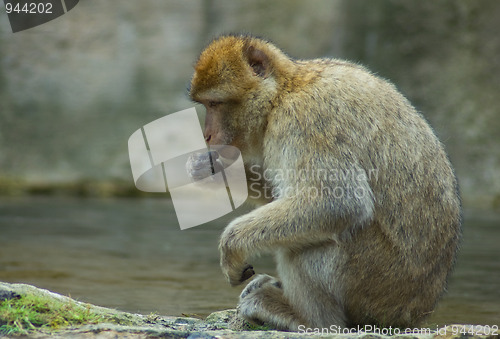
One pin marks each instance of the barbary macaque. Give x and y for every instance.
(370, 234)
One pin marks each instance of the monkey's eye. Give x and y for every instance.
(214, 103)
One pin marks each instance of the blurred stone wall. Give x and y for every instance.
(73, 90)
(445, 56)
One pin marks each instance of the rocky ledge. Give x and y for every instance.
(81, 320)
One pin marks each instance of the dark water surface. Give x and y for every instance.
(131, 255)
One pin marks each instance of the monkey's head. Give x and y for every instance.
(235, 79)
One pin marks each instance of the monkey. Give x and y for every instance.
(364, 220)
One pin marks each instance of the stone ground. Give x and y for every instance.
(223, 324)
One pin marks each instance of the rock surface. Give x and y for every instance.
(223, 324)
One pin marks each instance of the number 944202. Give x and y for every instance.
(29, 8)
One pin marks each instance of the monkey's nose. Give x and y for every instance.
(207, 138)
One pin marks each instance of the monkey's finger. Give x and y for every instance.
(214, 155)
(247, 273)
(198, 174)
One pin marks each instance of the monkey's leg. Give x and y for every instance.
(263, 302)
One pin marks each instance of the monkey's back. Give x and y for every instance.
(394, 267)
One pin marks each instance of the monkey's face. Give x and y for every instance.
(232, 79)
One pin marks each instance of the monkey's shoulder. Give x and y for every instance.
(337, 77)
(326, 65)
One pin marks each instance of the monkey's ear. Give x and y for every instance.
(258, 61)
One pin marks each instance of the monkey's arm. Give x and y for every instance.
(291, 222)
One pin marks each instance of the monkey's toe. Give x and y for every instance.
(258, 282)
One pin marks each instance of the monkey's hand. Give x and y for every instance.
(232, 260)
(203, 165)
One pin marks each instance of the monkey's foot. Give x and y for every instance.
(262, 303)
(257, 283)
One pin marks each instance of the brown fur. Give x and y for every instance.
(382, 257)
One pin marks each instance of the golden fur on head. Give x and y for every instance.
(231, 57)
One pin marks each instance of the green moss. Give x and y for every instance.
(13, 186)
(252, 327)
(31, 312)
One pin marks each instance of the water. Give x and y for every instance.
(131, 255)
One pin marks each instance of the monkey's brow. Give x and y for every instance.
(193, 100)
